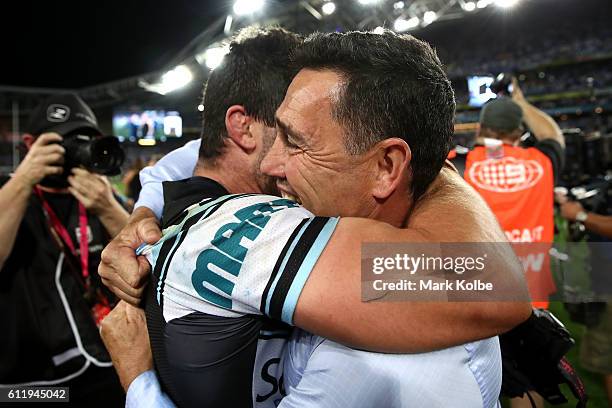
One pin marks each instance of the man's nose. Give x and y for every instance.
(273, 163)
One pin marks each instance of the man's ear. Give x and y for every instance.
(237, 123)
(393, 157)
(28, 140)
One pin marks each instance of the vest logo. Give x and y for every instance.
(77, 233)
(507, 175)
(58, 113)
(533, 262)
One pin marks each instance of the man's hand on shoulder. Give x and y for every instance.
(120, 269)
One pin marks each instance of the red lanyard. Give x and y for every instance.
(65, 236)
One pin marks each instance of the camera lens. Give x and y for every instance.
(106, 155)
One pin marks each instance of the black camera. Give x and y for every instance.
(501, 84)
(533, 360)
(98, 154)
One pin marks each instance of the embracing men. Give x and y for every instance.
(363, 131)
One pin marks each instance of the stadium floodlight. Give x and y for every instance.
(483, 3)
(429, 17)
(171, 81)
(398, 5)
(328, 8)
(244, 7)
(214, 56)
(401, 24)
(469, 6)
(379, 30)
(368, 2)
(506, 3)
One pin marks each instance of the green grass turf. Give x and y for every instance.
(592, 382)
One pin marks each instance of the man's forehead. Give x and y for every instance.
(311, 91)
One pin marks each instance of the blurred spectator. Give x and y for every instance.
(131, 181)
(596, 346)
(599, 224)
(131, 178)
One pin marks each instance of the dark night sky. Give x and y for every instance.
(70, 44)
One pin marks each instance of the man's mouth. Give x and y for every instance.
(287, 192)
(291, 197)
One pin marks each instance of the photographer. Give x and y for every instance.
(599, 224)
(55, 220)
(518, 184)
(596, 345)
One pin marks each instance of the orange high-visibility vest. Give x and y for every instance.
(519, 189)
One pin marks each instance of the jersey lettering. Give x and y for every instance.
(212, 278)
(277, 385)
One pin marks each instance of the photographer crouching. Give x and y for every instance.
(58, 213)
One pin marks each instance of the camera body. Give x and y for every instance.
(502, 85)
(97, 154)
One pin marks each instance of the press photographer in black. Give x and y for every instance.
(58, 213)
(596, 346)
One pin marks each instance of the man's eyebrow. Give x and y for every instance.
(289, 130)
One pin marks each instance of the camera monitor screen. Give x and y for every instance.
(147, 124)
(479, 89)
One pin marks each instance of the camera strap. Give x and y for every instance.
(61, 231)
(574, 382)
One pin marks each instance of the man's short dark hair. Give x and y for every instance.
(394, 86)
(255, 74)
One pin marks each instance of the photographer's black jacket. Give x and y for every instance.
(48, 333)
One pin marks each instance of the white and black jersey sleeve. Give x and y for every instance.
(239, 254)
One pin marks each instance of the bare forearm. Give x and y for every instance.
(114, 218)
(331, 302)
(14, 197)
(599, 224)
(140, 214)
(541, 124)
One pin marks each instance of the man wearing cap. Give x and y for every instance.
(518, 183)
(54, 223)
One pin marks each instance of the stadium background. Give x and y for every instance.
(118, 58)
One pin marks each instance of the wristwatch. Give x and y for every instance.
(581, 216)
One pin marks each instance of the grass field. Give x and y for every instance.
(593, 382)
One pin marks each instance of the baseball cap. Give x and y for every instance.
(62, 113)
(501, 114)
